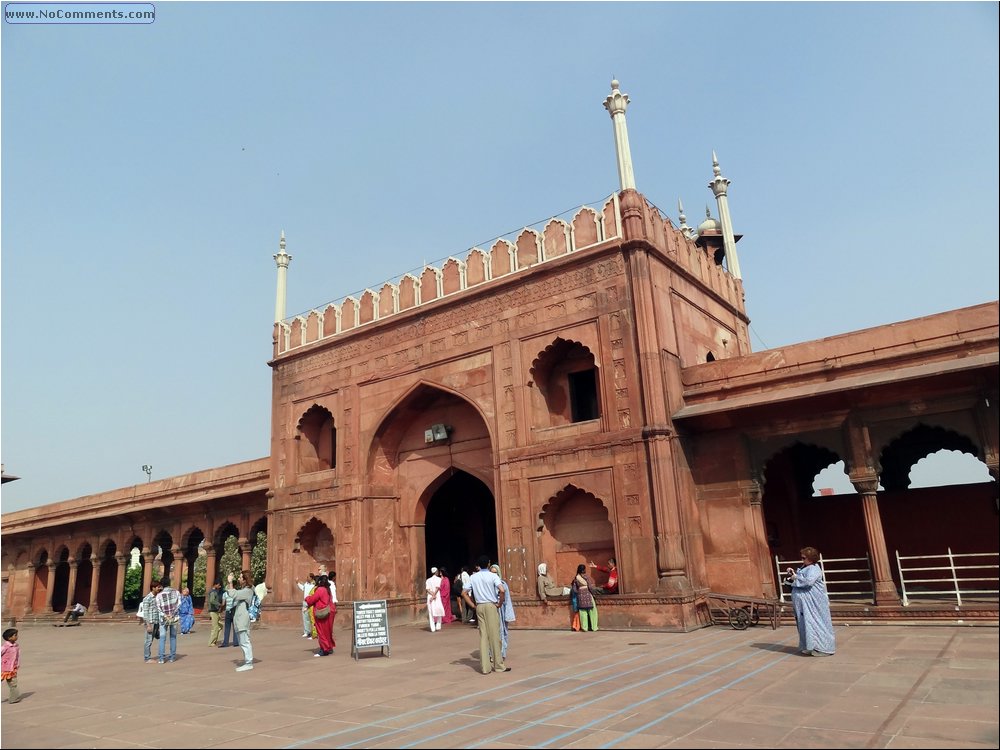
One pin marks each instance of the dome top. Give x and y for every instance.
(710, 224)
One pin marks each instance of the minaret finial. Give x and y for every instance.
(282, 258)
(720, 187)
(616, 103)
(685, 229)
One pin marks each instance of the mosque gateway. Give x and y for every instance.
(585, 389)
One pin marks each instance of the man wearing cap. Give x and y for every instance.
(490, 593)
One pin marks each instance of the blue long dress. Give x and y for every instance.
(186, 611)
(812, 610)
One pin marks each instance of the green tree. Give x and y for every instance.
(200, 571)
(232, 560)
(132, 592)
(258, 558)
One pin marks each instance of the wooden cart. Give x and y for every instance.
(740, 612)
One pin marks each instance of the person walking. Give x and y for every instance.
(168, 603)
(10, 660)
(149, 616)
(507, 615)
(811, 605)
(324, 610)
(242, 599)
(214, 604)
(489, 593)
(435, 609)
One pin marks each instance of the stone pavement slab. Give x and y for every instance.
(887, 687)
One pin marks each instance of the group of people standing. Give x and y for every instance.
(483, 593)
(319, 609)
(581, 592)
(164, 611)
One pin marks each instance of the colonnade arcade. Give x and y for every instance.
(87, 561)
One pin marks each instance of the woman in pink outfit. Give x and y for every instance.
(321, 599)
(446, 596)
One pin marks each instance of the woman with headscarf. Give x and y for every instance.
(506, 614)
(321, 601)
(446, 596)
(186, 611)
(812, 606)
(583, 587)
(435, 609)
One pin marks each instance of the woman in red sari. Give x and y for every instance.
(446, 596)
(321, 599)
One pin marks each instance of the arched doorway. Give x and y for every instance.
(461, 523)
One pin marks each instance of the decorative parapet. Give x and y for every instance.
(661, 232)
(531, 248)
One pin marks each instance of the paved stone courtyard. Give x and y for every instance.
(887, 687)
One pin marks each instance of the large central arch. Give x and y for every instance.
(460, 523)
(444, 480)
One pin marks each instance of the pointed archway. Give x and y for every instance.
(460, 523)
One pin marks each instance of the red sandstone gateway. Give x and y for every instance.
(586, 391)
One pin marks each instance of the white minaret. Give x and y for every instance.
(720, 185)
(685, 229)
(616, 104)
(282, 259)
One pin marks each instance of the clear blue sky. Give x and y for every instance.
(148, 170)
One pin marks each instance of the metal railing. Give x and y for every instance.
(846, 577)
(952, 575)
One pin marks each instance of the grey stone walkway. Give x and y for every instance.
(888, 686)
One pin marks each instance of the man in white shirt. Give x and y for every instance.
(307, 587)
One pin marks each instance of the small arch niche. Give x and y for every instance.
(317, 438)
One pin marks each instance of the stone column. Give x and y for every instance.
(885, 588)
(657, 431)
(282, 259)
(209, 566)
(74, 566)
(753, 496)
(245, 549)
(30, 567)
(720, 187)
(616, 104)
(175, 565)
(122, 559)
(95, 581)
(50, 585)
(148, 557)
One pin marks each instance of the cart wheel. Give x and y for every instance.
(739, 619)
(754, 614)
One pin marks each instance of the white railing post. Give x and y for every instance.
(902, 579)
(781, 581)
(954, 577)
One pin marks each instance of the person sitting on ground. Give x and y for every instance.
(611, 587)
(74, 614)
(548, 588)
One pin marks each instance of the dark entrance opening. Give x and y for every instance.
(460, 525)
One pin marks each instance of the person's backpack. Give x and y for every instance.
(254, 608)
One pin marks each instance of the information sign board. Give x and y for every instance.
(371, 627)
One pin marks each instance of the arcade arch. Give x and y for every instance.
(962, 515)
(574, 527)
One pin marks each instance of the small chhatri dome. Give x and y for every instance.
(710, 224)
